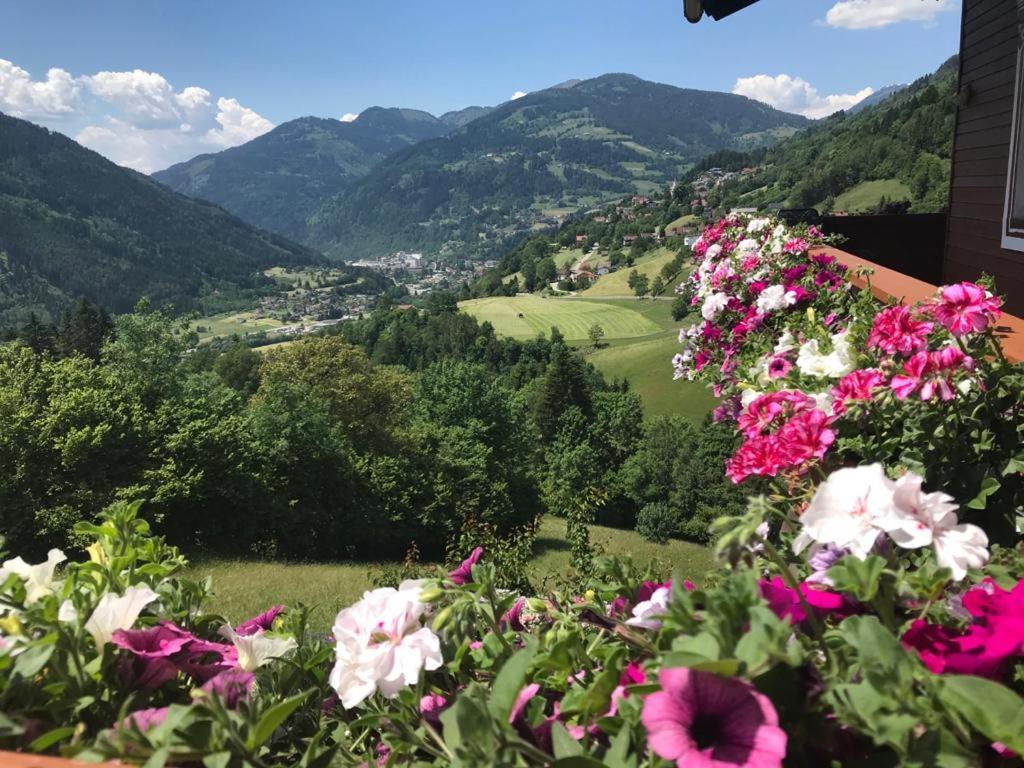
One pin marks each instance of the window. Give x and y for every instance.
(1013, 210)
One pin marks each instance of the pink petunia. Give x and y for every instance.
(232, 685)
(464, 573)
(701, 719)
(265, 622)
(966, 308)
(144, 719)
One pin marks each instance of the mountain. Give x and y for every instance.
(75, 224)
(536, 158)
(898, 149)
(460, 117)
(875, 98)
(279, 179)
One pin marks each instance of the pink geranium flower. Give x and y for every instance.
(701, 719)
(807, 436)
(930, 374)
(772, 408)
(895, 330)
(966, 308)
(857, 385)
(464, 573)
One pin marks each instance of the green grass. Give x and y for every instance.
(867, 194)
(231, 323)
(244, 588)
(683, 221)
(617, 283)
(572, 317)
(567, 257)
(647, 366)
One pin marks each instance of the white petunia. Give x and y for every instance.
(758, 225)
(257, 649)
(923, 519)
(785, 343)
(115, 612)
(382, 645)
(38, 578)
(850, 509)
(713, 305)
(747, 396)
(835, 364)
(748, 247)
(647, 613)
(775, 297)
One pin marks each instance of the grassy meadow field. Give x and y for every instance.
(231, 323)
(866, 195)
(242, 587)
(524, 317)
(617, 283)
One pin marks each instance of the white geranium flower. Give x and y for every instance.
(713, 305)
(115, 612)
(646, 613)
(382, 644)
(38, 578)
(850, 509)
(257, 649)
(775, 297)
(757, 225)
(923, 519)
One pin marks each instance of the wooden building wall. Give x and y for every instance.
(988, 62)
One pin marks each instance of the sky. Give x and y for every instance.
(149, 83)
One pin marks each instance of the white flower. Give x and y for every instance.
(823, 402)
(257, 649)
(758, 225)
(382, 644)
(747, 246)
(67, 612)
(836, 364)
(849, 509)
(747, 396)
(646, 612)
(775, 297)
(922, 519)
(779, 232)
(713, 305)
(785, 343)
(713, 251)
(115, 612)
(39, 581)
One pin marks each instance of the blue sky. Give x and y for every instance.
(148, 83)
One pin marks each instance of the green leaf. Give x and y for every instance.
(50, 738)
(857, 577)
(466, 722)
(618, 754)
(510, 681)
(34, 658)
(577, 761)
(988, 486)
(158, 759)
(562, 743)
(991, 708)
(217, 760)
(273, 718)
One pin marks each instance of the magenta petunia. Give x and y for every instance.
(701, 719)
(464, 573)
(232, 685)
(144, 719)
(265, 622)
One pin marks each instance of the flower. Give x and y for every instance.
(512, 619)
(646, 613)
(38, 578)
(701, 719)
(849, 509)
(713, 306)
(923, 519)
(464, 573)
(149, 665)
(257, 649)
(115, 612)
(232, 685)
(775, 297)
(778, 367)
(786, 603)
(806, 436)
(931, 373)
(264, 621)
(966, 308)
(839, 362)
(854, 386)
(431, 707)
(895, 330)
(144, 719)
(382, 644)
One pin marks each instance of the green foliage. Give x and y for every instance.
(657, 522)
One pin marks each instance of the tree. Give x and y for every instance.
(565, 385)
(83, 329)
(657, 286)
(641, 286)
(239, 368)
(595, 334)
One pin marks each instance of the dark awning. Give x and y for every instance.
(716, 9)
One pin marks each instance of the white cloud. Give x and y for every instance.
(794, 94)
(518, 95)
(348, 117)
(870, 14)
(135, 118)
(20, 96)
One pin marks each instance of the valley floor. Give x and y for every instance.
(241, 587)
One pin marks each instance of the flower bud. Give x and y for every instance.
(443, 617)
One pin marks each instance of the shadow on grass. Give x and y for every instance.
(549, 544)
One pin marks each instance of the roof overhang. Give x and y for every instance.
(693, 10)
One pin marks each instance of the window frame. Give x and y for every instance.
(1012, 238)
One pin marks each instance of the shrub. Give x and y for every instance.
(657, 522)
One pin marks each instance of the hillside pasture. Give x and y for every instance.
(232, 323)
(526, 317)
(617, 283)
(866, 195)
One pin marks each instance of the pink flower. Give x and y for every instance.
(464, 573)
(431, 707)
(232, 685)
(769, 409)
(701, 719)
(895, 330)
(513, 617)
(144, 719)
(778, 367)
(763, 455)
(931, 373)
(858, 385)
(795, 245)
(807, 436)
(149, 664)
(786, 604)
(264, 621)
(966, 308)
